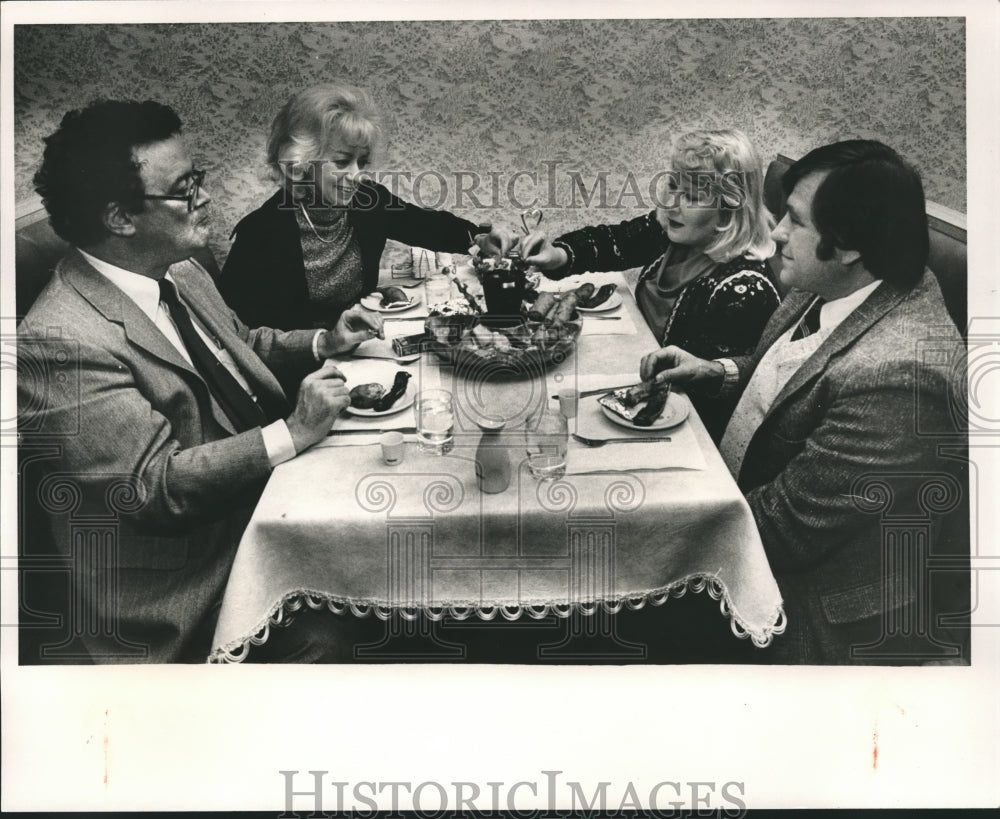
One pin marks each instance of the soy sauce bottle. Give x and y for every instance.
(492, 458)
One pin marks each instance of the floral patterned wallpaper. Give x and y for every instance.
(556, 98)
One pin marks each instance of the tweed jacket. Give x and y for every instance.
(264, 278)
(865, 414)
(142, 445)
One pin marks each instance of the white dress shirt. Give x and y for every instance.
(145, 292)
(775, 369)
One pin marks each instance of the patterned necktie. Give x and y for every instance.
(242, 411)
(810, 321)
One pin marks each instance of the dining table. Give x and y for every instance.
(418, 545)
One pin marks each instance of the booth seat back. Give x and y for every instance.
(38, 250)
(948, 243)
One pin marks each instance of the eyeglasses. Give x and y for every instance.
(190, 195)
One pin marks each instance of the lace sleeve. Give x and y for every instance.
(623, 246)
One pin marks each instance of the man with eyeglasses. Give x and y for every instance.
(167, 414)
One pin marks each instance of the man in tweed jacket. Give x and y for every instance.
(847, 412)
(153, 479)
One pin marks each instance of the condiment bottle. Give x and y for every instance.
(492, 457)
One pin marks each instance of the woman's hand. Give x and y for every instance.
(354, 326)
(676, 366)
(498, 242)
(536, 249)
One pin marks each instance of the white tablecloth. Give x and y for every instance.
(337, 525)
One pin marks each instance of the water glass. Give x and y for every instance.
(569, 401)
(546, 438)
(435, 421)
(437, 289)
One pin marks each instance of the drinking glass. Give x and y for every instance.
(435, 421)
(437, 288)
(393, 448)
(569, 400)
(546, 438)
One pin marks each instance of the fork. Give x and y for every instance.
(596, 442)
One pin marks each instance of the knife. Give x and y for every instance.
(404, 430)
(601, 391)
(602, 318)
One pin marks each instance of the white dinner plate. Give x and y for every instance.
(372, 304)
(675, 412)
(403, 403)
(613, 301)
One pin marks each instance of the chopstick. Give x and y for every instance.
(601, 391)
(404, 430)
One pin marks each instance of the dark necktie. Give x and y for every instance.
(242, 411)
(810, 321)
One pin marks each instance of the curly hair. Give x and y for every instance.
(89, 161)
(733, 164)
(872, 201)
(317, 115)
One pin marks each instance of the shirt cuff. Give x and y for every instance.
(730, 377)
(316, 354)
(278, 443)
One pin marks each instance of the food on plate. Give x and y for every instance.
(558, 308)
(392, 296)
(544, 304)
(633, 395)
(584, 293)
(654, 407)
(375, 397)
(597, 299)
(452, 307)
(364, 396)
(397, 391)
(566, 309)
(625, 402)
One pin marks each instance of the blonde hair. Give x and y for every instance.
(317, 115)
(739, 184)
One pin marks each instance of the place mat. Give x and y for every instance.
(364, 372)
(680, 452)
(624, 326)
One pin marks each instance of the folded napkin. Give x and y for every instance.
(366, 371)
(680, 452)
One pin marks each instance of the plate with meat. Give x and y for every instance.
(645, 407)
(613, 301)
(390, 300)
(373, 400)
(600, 300)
